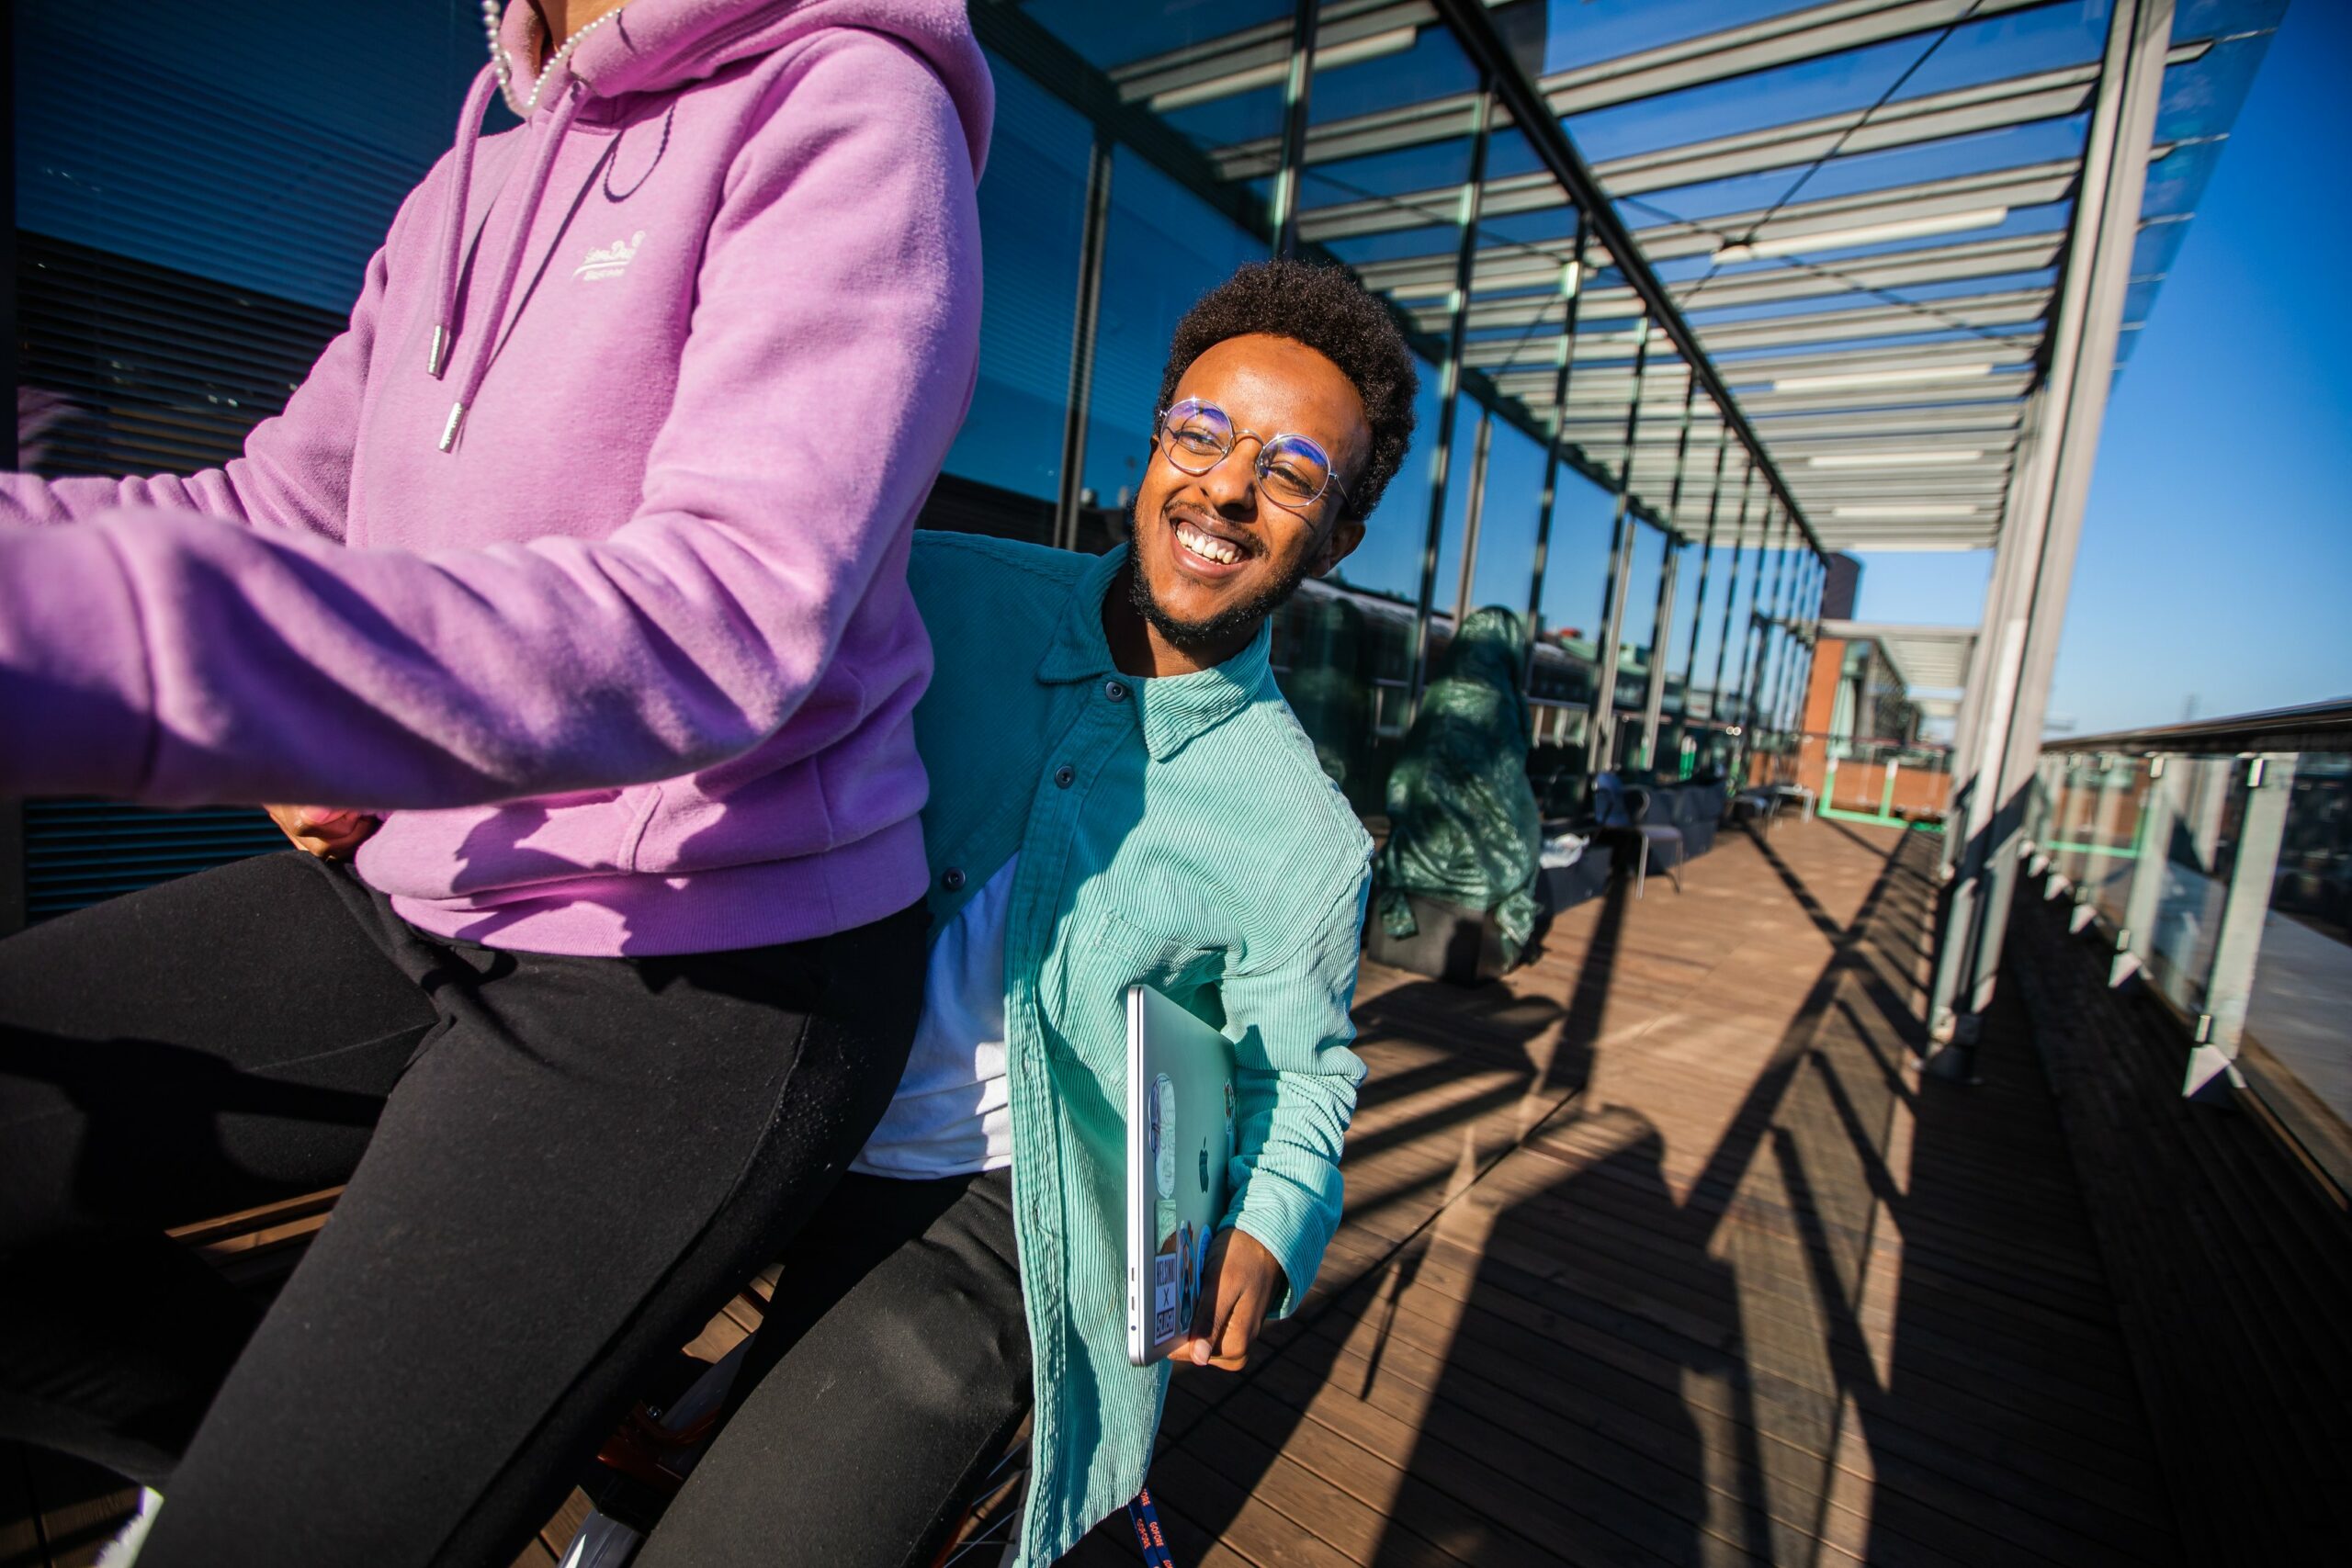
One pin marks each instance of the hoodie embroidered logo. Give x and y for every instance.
(609, 260)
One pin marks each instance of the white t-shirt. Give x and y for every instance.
(953, 1113)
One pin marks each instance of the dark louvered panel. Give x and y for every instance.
(158, 371)
(155, 372)
(78, 851)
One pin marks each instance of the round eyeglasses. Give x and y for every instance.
(1293, 470)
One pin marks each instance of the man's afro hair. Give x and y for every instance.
(1328, 311)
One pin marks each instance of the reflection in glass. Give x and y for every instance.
(1164, 249)
(1032, 205)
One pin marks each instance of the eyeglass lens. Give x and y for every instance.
(1199, 435)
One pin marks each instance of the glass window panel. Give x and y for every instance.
(1641, 614)
(1671, 640)
(1576, 570)
(1457, 504)
(1702, 630)
(1735, 653)
(1032, 208)
(1507, 536)
(1434, 67)
(2202, 96)
(1163, 248)
(1119, 38)
(299, 169)
(1990, 50)
(2177, 181)
(1388, 562)
(1609, 29)
(1402, 202)
(2216, 19)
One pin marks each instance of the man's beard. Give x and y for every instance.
(1233, 623)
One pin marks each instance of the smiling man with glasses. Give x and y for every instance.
(1119, 795)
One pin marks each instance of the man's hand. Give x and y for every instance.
(326, 831)
(1240, 1284)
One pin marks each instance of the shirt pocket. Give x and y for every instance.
(1115, 953)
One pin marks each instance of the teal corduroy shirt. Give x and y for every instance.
(1176, 831)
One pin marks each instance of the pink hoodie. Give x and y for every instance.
(711, 315)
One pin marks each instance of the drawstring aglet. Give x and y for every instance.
(450, 431)
(437, 358)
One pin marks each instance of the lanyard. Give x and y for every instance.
(1149, 1535)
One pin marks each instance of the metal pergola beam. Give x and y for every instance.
(2001, 190)
(2006, 308)
(2002, 256)
(1966, 419)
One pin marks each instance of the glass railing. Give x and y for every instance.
(1891, 784)
(2215, 859)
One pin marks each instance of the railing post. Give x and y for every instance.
(2270, 788)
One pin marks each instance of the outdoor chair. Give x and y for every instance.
(1652, 834)
(1621, 809)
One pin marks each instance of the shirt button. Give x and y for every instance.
(952, 879)
(1064, 775)
(1115, 690)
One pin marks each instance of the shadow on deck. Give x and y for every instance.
(1659, 1252)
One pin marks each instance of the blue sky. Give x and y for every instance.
(2216, 560)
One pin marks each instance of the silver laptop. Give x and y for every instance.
(1180, 1136)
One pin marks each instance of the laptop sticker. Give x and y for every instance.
(1162, 1143)
(1167, 1292)
(1188, 1261)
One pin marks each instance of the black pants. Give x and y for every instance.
(887, 1380)
(557, 1168)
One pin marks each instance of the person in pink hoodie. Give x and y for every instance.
(580, 561)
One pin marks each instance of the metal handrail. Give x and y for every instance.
(2314, 727)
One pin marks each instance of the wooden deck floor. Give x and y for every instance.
(1657, 1253)
(1654, 1254)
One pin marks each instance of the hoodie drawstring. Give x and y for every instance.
(453, 216)
(518, 232)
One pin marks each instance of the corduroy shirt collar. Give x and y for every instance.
(1174, 709)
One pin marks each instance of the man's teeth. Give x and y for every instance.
(1209, 547)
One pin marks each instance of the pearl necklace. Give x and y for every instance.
(491, 12)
